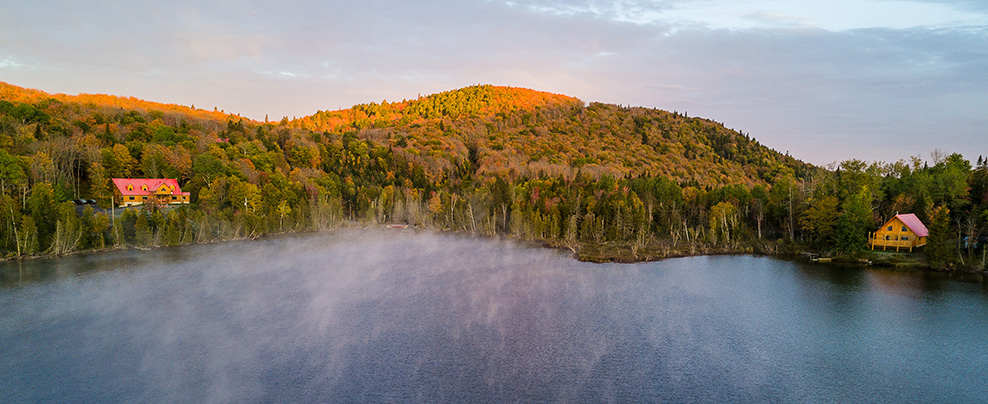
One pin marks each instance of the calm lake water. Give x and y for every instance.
(399, 316)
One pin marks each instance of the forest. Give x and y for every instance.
(608, 182)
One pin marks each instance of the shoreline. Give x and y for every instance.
(621, 252)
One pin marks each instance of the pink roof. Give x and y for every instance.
(152, 185)
(914, 224)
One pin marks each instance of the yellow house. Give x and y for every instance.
(901, 231)
(138, 191)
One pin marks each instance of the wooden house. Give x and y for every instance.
(137, 191)
(901, 232)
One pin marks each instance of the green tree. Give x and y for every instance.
(783, 203)
(41, 205)
(820, 220)
(100, 188)
(173, 234)
(98, 225)
(10, 171)
(949, 181)
(142, 231)
(244, 196)
(27, 237)
(854, 222)
(10, 218)
(941, 242)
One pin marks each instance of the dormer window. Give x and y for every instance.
(130, 187)
(144, 187)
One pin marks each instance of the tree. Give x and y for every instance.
(941, 242)
(98, 226)
(10, 218)
(99, 187)
(244, 196)
(10, 171)
(854, 222)
(172, 235)
(758, 200)
(723, 219)
(118, 161)
(782, 202)
(41, 205)
(142, 231)
(978, 184)
(820, 219)
(855, 174)
(27, 237)
(949, 181)
(68, 230)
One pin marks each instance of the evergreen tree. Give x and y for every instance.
(41, 205)
(28, 236)
(142, 231)
(854, 222)
(940, 244)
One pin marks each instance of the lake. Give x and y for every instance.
(404, 316)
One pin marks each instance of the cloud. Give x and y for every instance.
(776, 19)
(9, 63)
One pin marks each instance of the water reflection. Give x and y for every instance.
(419, 317)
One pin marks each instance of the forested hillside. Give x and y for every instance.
(606, 181)
(510, 131)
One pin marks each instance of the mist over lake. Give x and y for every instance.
(403, 316)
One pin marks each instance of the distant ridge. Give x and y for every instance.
(13, 93)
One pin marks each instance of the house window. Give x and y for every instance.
(130, 187)
(905, 237)
(173, 197)
(890, 228)
(886, 237)
(130, 198)
(904, 229)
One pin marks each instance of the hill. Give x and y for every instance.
(511, 131)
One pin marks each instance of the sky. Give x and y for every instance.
(825, 81)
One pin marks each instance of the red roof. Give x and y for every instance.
(146, 186)
(914, 224)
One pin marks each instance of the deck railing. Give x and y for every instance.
(896, 244)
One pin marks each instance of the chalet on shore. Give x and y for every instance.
(901, 232)
(137, 191)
